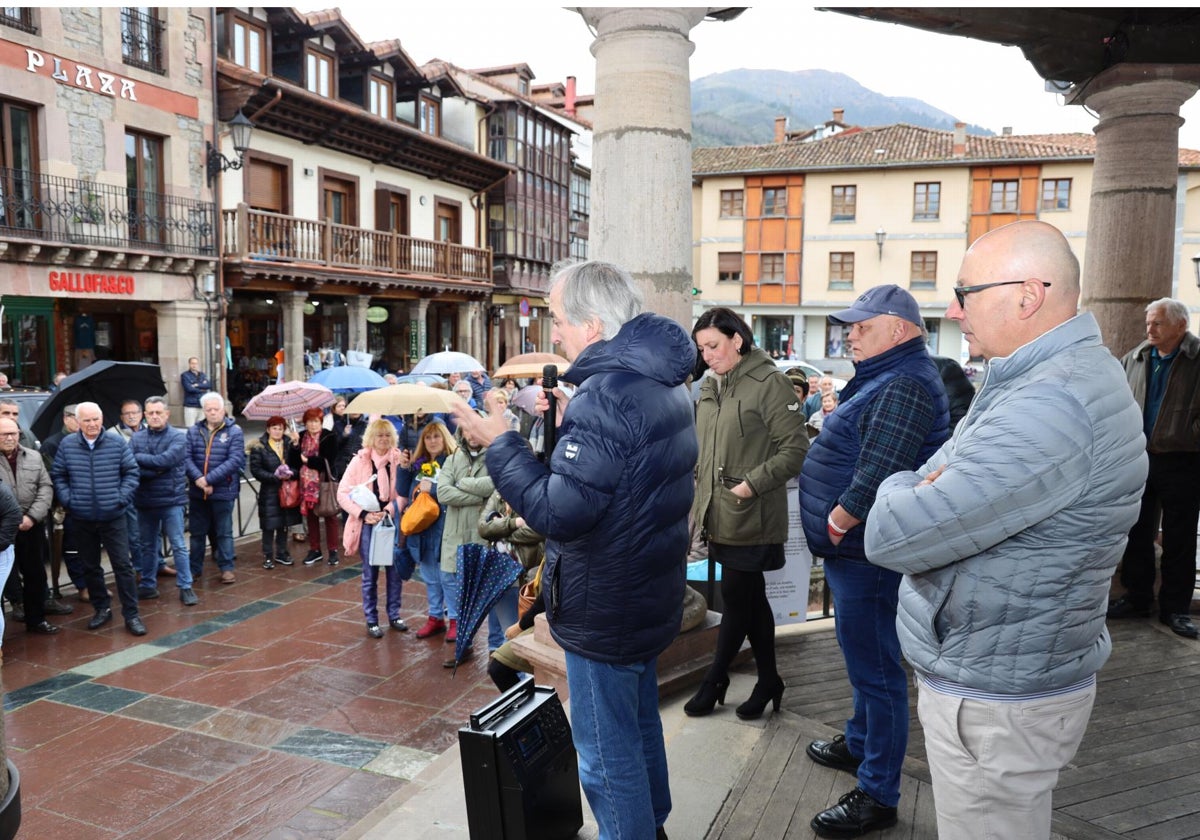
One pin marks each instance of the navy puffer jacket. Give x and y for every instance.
(613, 504)
(833, 455)
(160, 456)
(225, 460)
(95, 483)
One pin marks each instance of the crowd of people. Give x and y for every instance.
(972, 534)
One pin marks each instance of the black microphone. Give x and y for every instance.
(549, 419)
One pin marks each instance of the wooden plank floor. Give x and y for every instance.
(1136, 775)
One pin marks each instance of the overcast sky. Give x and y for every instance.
(980, 83)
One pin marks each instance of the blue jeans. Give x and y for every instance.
(618, 735)
(168, 520)
(431, 573)
(450, 593)
(215, 517)
(864, 605)
(370, 582)
(135, 548)
(502, 616)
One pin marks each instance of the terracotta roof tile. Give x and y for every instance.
(899, 145)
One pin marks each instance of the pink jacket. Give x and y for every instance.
(362, 466)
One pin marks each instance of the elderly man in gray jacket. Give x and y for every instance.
(1164, 375)
(1008, 538)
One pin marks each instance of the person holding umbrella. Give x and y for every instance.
(275, 458)
(381, 467)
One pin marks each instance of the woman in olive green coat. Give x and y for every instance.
(752, 442)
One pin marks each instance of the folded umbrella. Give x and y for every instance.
(483, 575)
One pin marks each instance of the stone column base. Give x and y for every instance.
(680, 666)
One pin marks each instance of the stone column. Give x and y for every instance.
(641, 215)
(356, 315)
(186, 328)
(292, 304)
(1131, 220)
(417, 311)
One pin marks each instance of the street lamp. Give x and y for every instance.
(880, 235)
(239, 133)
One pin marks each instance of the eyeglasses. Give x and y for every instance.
(9, 434)
(961, 292)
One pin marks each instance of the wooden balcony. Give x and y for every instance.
(261, 245)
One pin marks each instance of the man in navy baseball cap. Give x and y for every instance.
(881, 300)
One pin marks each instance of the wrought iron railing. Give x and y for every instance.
(258, 235)
(142, 39)
(37, 206)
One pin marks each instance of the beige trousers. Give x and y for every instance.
(995, 764)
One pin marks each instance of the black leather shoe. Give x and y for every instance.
(398, 625)
(1125, 608)
(54, 607)
(1181, 625)
(101, 618)
(147, 594)
(134, 625)
(855, 814)
(834, 754)
(188, 598)
(44, 628)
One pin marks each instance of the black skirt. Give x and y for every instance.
(748, 558)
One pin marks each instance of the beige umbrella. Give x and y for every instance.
(405, 398)
(530, 364)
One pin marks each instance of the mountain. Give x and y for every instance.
(739, 107)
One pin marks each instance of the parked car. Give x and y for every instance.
(811, 371)
(28, 399)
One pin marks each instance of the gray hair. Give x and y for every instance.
(210, 396)
(599, 290)
(86, 405)
(156, 401)
(1175, 310)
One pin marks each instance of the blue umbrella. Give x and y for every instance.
(348, 378)
(483, 575)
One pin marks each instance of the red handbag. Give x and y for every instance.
(289, 493)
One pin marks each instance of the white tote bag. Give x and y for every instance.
(383, 542)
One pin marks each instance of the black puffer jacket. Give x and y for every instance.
(263, 463)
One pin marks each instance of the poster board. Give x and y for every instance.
(787, 588)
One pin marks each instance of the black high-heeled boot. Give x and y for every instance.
(710, 694)
(772, 691)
